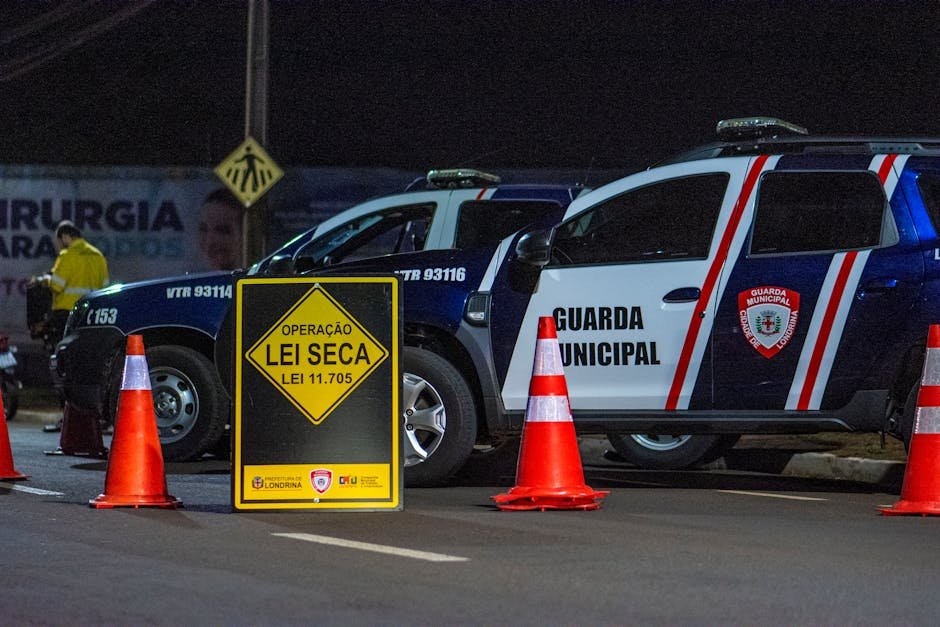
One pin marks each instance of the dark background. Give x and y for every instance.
(437, 84)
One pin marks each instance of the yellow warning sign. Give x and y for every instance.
(316, 354)
(249, 172)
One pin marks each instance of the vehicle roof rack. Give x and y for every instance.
(812, 145)
(761, 135)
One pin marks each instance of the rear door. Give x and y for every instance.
(632, 287)
(809, 305)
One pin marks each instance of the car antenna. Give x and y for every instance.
(474, 160)
(587, 173)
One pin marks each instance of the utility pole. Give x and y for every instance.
(254, 223)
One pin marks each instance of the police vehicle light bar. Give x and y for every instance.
(752, 128)
(461, 177)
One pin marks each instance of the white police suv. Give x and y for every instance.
(772, 282)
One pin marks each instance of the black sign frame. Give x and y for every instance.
(299, 343)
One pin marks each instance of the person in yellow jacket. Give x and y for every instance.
(79, 269)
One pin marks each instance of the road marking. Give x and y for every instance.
(632, 482)
(376, 548)
(29, 490)
(773, 496)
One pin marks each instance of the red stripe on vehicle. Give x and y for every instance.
(711, 279)
(885, 168)
(832, 307)
(480, 195)
(825, 329)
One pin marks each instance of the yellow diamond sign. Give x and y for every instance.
(249, 172)
(317, 354)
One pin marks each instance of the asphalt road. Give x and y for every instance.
(665, 548)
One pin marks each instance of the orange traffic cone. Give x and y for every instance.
(549, 473)
(135, 475)
(920, 493)
(7, 471)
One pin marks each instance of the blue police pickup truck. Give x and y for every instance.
(770, 282)
(181, 317)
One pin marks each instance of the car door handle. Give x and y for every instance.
(880, 285)
(683, 295)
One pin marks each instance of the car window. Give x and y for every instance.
(929, 186)
(395, 230)
(817, 211)
(392, 236)
(673, 219)
(486, 223)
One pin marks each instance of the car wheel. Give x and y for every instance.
(190, 404)
(670, 452)
(439, 419)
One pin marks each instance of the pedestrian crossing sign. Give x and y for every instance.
(249, 172)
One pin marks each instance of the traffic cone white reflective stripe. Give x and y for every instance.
(136, 373)
(548, 390)
(548, 409)
(927, 417)
(547, 357)
(548, 473)
(920, 493)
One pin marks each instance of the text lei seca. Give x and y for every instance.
(317, 353)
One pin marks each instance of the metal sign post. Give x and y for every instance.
(317, 394)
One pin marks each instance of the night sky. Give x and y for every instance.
(438, 84)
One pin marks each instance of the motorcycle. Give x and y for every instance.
(10, 385)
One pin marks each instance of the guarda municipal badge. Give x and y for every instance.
(321, 479)
(768, 316)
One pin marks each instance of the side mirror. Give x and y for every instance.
(302, 265)
(280, 264)
(535, 248)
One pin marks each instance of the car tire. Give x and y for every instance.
(190, 403)
(670, 452)
(725, 443)
(439, 419)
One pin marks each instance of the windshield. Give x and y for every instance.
(395, 230)
(322, 246)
